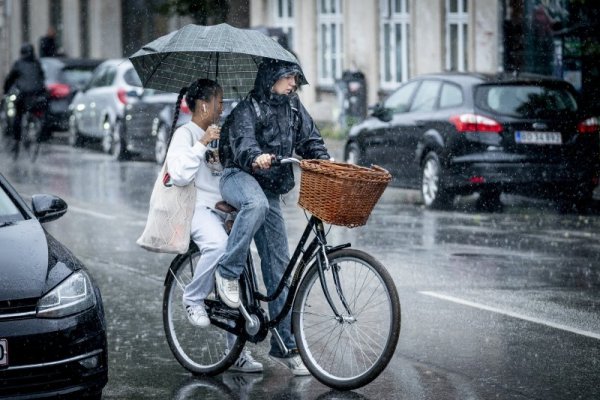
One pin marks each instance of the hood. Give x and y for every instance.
(27, 52)
(269, 71)
(31, 262)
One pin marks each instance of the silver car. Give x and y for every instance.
(97, 110)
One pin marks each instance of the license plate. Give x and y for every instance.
(529, 137)
(3, 352)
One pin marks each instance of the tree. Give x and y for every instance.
(204, 12)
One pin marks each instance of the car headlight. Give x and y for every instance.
(72, 296)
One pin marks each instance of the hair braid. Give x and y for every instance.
(176, 113)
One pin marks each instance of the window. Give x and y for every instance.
(457, 27)
(284, 19)
(399, 101)
(56, 13)
(84, 7)
(329, 40)
(394, 42)
(451, 96)
(426, 96)
(25, 25)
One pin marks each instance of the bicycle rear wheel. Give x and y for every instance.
(31, 130)
(350, 352)
(202, 351)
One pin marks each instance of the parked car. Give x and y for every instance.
(64, 77)
(147, 124)
(454, 134)
(52, 324)
(97, 110)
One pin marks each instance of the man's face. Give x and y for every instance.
(286, 84)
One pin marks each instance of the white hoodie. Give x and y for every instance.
(186, 161)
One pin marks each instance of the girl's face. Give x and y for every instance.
(213, 108)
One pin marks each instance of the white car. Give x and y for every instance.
(97, 110)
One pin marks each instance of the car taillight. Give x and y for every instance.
(122, 95)
(475, 123)
(184, 108)
(58, 90)
(590, 125)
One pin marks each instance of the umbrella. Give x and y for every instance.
(221, 52)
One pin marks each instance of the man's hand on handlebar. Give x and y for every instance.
(263, 161)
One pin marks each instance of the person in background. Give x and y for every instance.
(190, 159)
(26, 80)
(271, 121)
(48, 43)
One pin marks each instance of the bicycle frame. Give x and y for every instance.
(318, 249)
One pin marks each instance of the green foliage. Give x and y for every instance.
(203, 12)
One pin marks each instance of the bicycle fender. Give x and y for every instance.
(329, 250)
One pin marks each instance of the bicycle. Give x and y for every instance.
(345, 313)
(32, 124)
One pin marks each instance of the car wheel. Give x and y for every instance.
(75, 138)
(160, 147)
(435, 196)
(353, 154)
(113, 141)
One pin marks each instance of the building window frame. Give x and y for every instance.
(330, 41)
(283, 12)
(394, 43)
(457, 35)
(84, 27)
(25, 21)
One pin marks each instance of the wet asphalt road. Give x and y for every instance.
(494, 305)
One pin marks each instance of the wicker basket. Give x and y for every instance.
(339, 193)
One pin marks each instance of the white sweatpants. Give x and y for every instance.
(209, 235)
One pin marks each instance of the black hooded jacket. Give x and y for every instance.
(26, 74)
(282, 127)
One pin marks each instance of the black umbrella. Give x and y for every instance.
(221, 52)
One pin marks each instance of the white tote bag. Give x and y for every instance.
(169, 217)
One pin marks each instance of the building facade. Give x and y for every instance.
(389, 41)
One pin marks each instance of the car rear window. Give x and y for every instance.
(77, 77)
(525, 100)
(132, 78)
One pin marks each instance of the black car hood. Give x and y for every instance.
(31, 261)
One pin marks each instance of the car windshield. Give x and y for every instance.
(9, 212)
(525, 100)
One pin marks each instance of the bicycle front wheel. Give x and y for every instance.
(202, 351)
(350, 351)
(31, 128)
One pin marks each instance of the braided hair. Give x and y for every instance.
(201, 89)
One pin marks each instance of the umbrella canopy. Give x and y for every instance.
(221, 52)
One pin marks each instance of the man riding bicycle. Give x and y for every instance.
(26, 80)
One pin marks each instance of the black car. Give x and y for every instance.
(456, 133)
(52, 325)
(64, 76)
(147, 125)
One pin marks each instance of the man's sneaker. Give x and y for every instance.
(294, 363)
(246, 363)
(197, 315)
(228, 289)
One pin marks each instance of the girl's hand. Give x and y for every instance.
(263, 161)
(213, 132)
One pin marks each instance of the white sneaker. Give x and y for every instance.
(294, 363)
(246, 363)
(228, 289)
(197, 315)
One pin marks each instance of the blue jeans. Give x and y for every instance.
(259, 217)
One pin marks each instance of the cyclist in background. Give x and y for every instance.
(26, 80)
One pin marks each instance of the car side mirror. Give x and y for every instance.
(48, 207)
(382, 113)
